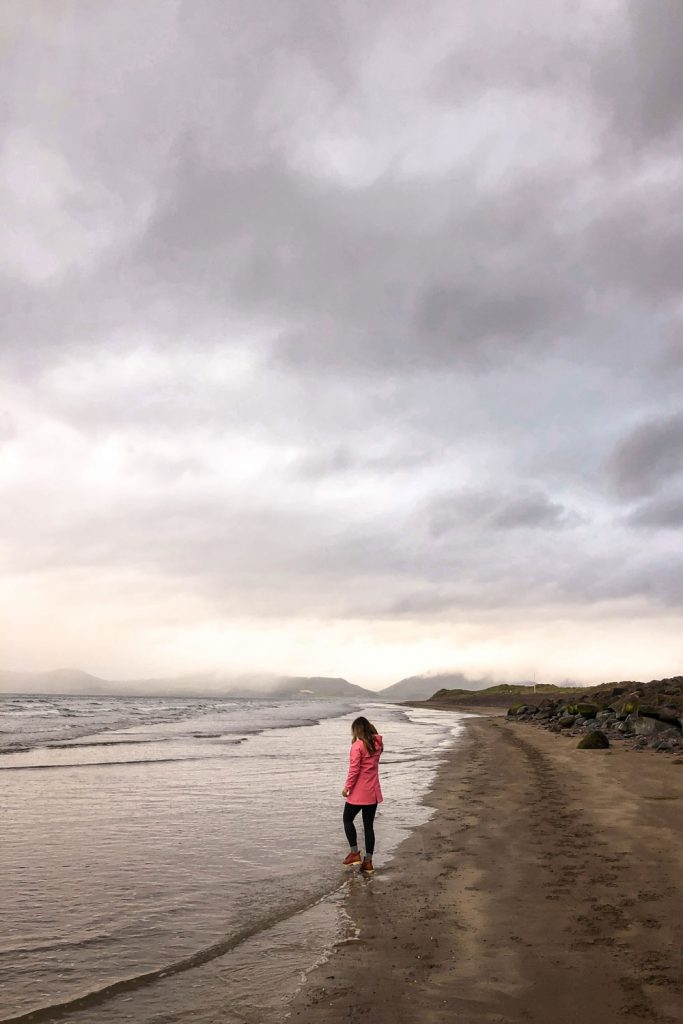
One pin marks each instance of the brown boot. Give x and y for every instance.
(366, 867)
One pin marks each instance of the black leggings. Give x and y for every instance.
(350, 812)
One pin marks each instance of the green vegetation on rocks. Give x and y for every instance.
(583, 708)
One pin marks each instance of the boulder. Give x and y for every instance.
(669, 713)
(583, 708)
(593, 740)
(566, 722)
(652, 727)
(628, 704)
(666, 745)
(664, 712)
(520, 710)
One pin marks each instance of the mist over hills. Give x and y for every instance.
(75, 682)
(217, 684)
(423, 686)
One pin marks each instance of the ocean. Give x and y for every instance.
(179, 860)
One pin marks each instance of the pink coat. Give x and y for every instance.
(363, 778)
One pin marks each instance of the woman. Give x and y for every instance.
(362, 791)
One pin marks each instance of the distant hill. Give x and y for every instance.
(302, 686)
(442, 686)
(60, 680)
(499, 694)
(320, 686)
(423, 686)
(74, 682)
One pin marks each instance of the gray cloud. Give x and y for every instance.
(650, 456)
(534, 510)
(641, 73)
(664, 513)
(223, 217)
(343, 459)
(490, 511)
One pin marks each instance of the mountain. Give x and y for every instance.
(447, 685)
(499, 695)
(74, 682)
(60, 680)
(289, 687)
(320, 686)
(423, 686)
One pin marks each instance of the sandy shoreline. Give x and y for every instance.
(546, 888)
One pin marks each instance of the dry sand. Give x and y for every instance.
(546, 888)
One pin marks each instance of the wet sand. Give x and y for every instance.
(546, 888)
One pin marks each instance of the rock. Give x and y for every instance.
(628, 705)
(665, 745)
(593, 740)
(669, 713)
(663, 712)
(644, 714)
(652, 727)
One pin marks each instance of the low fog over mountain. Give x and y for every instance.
(423, 686)
(216, 684)
(74, 681)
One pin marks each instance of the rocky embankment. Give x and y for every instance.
(640, 715)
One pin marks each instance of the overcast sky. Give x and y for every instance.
(342, 338)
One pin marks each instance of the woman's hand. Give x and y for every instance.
(345, 791)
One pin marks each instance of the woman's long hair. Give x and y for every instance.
(363, 730)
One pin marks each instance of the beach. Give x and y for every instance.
(545, 888)
(150, 874)
(179, 859)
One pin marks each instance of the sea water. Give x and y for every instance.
(173, 859)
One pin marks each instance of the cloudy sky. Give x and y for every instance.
(342, 338)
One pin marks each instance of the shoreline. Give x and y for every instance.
(546, 886)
